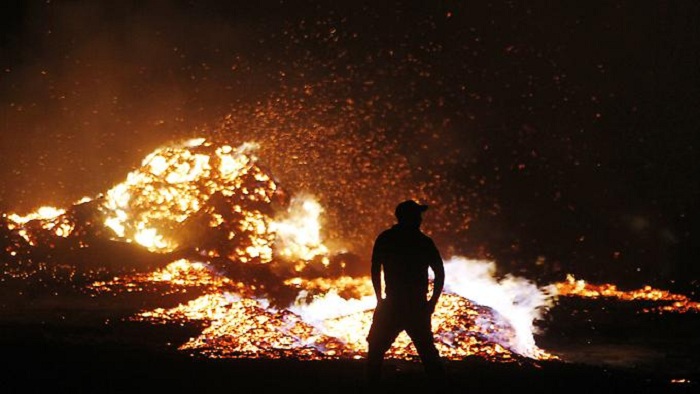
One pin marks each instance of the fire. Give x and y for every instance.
(679, 303)
(518, 300)
(43, 213)
(267, 285)
(328, 326)
(174, 184)
(45, 219)
(299, 233)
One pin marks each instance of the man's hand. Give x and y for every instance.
(431, 305)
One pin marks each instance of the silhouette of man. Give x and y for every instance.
(404, 253)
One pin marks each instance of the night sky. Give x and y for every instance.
(551, 137)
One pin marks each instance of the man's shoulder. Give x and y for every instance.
(396, 232)
(388, 233)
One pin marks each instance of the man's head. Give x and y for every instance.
(409, 213)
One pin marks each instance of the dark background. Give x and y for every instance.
(551, 137)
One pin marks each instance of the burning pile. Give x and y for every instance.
(240, 325)
(196, 201)
(207, 216)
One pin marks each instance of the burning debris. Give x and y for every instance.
(209, 217)
(197, 201)
(327, 326)
(677, 303)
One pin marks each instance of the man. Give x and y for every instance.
(405, 253)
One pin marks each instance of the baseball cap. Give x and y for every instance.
(409, 207)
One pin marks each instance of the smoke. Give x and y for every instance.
(518, 300)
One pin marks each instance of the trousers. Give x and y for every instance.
(389, 319)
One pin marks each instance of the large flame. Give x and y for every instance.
(518, 300)
(176, 183)
(299, 232)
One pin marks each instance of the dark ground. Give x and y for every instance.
(39, 366)
(69, 344)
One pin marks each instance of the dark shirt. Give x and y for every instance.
(405, 254)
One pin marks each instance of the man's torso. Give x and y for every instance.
(405, 255)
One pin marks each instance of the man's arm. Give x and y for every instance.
(439, 270)
(377, 270)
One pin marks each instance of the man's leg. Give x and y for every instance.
(421, 334)
(381, 336)
(375, 359)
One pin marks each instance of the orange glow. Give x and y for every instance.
(580, 288)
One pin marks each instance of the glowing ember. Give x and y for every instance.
(678, 303)
(43, 213)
